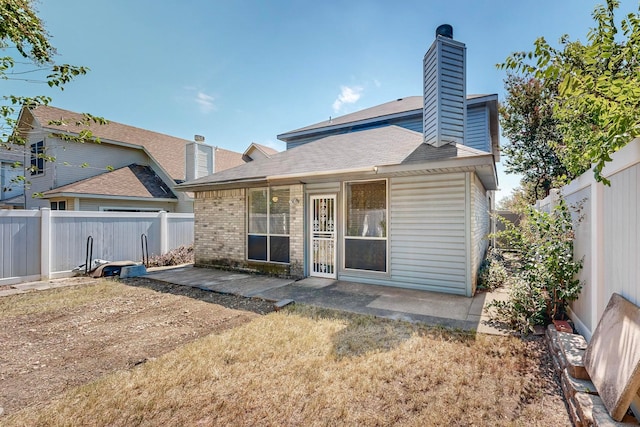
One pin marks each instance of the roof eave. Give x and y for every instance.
(480, 162)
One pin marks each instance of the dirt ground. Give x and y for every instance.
(44, 353)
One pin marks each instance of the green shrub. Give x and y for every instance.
(493, 273)
(544, 242)
(525, 307)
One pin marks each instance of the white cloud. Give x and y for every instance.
(205, 102)
(377, 83)
(348, 95)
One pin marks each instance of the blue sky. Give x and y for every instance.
(245, 71)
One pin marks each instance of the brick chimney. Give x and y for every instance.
(444, 110)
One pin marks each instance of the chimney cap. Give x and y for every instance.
(445, 30)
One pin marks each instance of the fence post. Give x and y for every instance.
(164, 231)
(45, 243)
(597, 252)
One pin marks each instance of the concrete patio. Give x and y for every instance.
(381, 301)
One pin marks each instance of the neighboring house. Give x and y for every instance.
(398, 194)
(131, 169)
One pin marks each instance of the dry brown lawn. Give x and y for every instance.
(315, 367)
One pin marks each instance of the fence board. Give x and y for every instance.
(116, 237)
(608, 237)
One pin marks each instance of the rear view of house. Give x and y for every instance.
(398, 194)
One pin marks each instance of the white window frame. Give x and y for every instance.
(345, 207)
(268, 234)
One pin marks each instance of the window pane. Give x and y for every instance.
(62, 206)
(279, 212)
(54, 206)
(258, 211)
(37, 162)
(279, 249)
(257, 248)
(367, 209)
(366, 254)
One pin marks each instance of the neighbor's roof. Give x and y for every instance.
(400, 106)
(226, 159)
(386, 146)
(130, 181)
(168, 151)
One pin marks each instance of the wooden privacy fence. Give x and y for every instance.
(607, 234)
(38, 245)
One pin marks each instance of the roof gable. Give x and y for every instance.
(167, 150)
(130, 181)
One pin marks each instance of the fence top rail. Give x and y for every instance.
(13, 213)
(19, 213)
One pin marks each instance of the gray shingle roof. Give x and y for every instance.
(129, 181)
(390, 145)
(398, 106)
(168, 151)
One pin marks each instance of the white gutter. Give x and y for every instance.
(483, 160)
(322, 173)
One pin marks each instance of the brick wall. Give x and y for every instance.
(296, 237)
(219, 234)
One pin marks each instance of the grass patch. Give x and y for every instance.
(42, 302)
(308, 366)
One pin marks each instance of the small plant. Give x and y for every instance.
(544, 242)
(493, 273)
(525, 307)
(180, 255)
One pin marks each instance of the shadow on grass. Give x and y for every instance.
(235, 302)
(365, 333)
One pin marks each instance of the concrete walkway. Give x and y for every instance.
(381, 301)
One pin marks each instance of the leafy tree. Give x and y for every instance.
(598, 103)
(534, 148)
(515, 202)
(22, 30)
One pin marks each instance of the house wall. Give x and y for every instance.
(427, 233)
(220, 229)
(69, 158)
(478, 135)
(221, 232)
(480, 227)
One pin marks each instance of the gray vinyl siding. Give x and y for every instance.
(444, 93)
(97, 156)
(478, 135)
(96, 204)
(68, 168)
(427, 233)
(480, 227)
